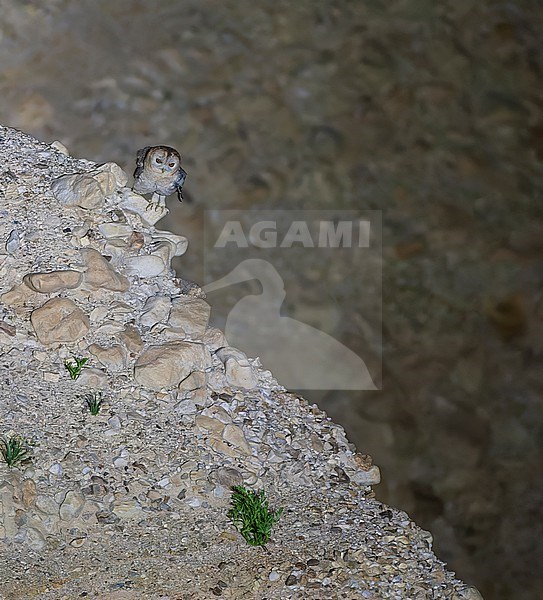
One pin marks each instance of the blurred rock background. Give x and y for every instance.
(430, 112)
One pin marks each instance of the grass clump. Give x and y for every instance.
(14, 449)
(251, 516)
(75, 366)
(94, 402)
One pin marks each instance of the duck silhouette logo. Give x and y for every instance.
(299, 355)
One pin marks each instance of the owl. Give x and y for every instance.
(158, 171)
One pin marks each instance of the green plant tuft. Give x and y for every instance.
(14, 450)
(94, 402)
(251, 516)
(75, 366)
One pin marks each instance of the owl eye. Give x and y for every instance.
(158, 160)
(172, 164)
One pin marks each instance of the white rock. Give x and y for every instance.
(46, 505)
(134, 203)
(54, 281)
(196, 380)
(167, 365)
(35, 539)
(369, 477)
(193, 502)
(119, 176)
(147, 265)
(92, 378)
(239, 372)
(210, 424)
(51, 377)
(60, 147)
(113, 358)
(98, 314)
(100, 274)
(13, 242)
(216, 380)
(180, 242)
(131, 339)
(18, 296)
(72, 506)
(235, 437)
(78, 190)
(214, 339)
(59, 320)
(156, 309)
(127, 509)
(114, 230)
(186, 407)
(191, 315)
(56, 469)
(165, 250)
(114, 422)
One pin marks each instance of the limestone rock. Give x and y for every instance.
(59, 320)
(92, 378)
(218, 412)
(113, 358)
(18, 296)
(60, 147)
(35, 538)
(115, 176)
(46, 505)
(78, 190)
(165, 250)
(89, 190)
(127, 509)
(136, 204)
(147, 265)
(115, 230)
(370, 477)
(191, 315)
(7, 329)
(236, 438)
(72, 506)
(209, 424)
(131, 339)
(214, 339)
(196, 380)
(54, 281)
(239, 372)
(180, 242)
(116, 248)
(228, 477)
(13, 242)
(167, 365)
(100, 274)
(155, 310)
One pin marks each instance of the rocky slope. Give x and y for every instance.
(132, 502)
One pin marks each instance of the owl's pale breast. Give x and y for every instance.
(163, 184)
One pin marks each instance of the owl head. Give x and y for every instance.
(163, 160)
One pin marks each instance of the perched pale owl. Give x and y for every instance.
(158, 171)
